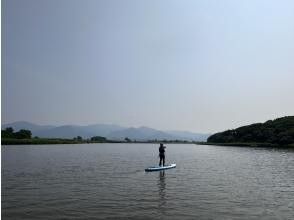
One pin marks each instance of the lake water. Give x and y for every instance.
(107, 181)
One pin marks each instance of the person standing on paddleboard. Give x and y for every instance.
(161, 154)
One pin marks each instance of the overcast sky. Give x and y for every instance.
(203, 66)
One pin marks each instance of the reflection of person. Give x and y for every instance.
(161, 154)
(161, 191)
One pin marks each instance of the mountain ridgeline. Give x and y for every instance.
(109, 131)
(278, 132)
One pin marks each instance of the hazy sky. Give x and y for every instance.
(202, 66)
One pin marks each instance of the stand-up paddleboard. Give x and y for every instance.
(158, 168)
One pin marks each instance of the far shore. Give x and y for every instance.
(55, 141)
(48, 141)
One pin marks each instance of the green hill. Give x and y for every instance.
(278, 132)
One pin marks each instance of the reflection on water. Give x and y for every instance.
(161, 191)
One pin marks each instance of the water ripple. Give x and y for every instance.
(107, 181)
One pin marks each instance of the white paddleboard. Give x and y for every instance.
(158, 168)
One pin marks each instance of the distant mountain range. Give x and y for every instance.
(110, 131)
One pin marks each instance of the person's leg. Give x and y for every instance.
(163, 159)
(160, 160)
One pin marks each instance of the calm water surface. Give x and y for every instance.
(107, 181)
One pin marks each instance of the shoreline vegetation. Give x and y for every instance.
(43, 141)
(53, 141)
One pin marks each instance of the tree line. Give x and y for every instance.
(21, 134)
(9, 133)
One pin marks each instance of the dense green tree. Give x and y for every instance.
(78, 138)
(128, 139)
(7, 133)
(98, 139)
(23, 134)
